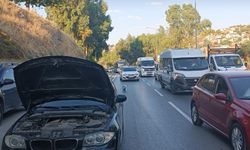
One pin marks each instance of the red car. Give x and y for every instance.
(222, 100)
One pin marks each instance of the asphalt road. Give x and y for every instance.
(155, 120)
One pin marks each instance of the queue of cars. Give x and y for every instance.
(72, 104)
(220, 86)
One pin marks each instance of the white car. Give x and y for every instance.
(129, 73)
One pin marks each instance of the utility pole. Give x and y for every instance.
(196, 32)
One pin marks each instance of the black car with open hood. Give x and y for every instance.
(71, 104)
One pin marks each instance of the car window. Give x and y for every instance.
(208, 83)
(9, 74)
(222, 87)
(241, 87)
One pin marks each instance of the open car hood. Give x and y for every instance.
(51, 78)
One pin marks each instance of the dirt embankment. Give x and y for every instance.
(25, 35)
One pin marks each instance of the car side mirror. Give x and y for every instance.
(221, 96)
(121, 98)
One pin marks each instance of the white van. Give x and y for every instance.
(146, 66)
(182, 68)
(225, 59)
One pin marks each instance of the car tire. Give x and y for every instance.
(162, 85)
(195, 116)
(237, 137)
(1, 113)
(172, 88)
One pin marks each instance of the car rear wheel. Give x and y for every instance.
(237, 136)
(195, 116)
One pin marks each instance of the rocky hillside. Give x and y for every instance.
(24, 35)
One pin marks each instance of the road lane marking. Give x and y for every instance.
(181, 112)
(114, 78)
(158, 92)
(148, 84)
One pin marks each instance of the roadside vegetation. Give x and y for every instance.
(25, 35)
(81, 28)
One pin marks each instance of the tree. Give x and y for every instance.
(86, 21)
(29, 3)
(109, 58)
(183, 21)
(71, 18)
(130, 49)
(245, 52)
(100, 25)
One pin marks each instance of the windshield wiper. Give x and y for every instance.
(48, 107)
(83, 107)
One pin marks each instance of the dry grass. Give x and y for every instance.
(34, 35)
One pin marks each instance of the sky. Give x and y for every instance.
(145, 16)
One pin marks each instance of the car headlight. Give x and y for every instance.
(178, 76)
(98, 138)
(15, 141)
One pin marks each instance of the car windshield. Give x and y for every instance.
(228, 61)
(199, 63)
(147, 63)
(241, 87)
(129, 69)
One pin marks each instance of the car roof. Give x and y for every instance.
(231, 74)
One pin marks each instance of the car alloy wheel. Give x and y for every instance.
(195, 116)
(237, 138)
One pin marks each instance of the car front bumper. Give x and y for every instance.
(185, 85)
(111, 145)
(130, 77)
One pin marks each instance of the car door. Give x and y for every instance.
(205, 94)
(220, 109)
(11, 97)
(168, 72)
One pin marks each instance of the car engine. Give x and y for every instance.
(59, 127)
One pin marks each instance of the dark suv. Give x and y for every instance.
(9, 98)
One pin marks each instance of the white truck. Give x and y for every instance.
(225, 59)
(146, 66)
(180, 69)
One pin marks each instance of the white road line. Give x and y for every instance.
(148, 84)
(158, 92)
(114, 78)
(181, 112)
(143, 80)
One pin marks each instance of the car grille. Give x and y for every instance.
(149, 69)
(61, 144)
(192, 82)
(41, 145)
